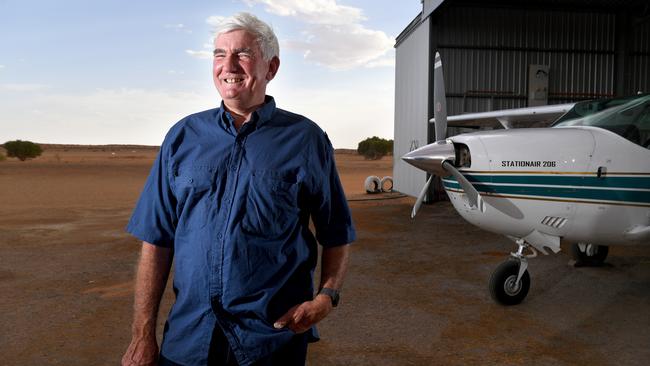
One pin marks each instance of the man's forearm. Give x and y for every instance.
(334, 266)
(151, 279)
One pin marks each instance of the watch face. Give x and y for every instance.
(335, 299)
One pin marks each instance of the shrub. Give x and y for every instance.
(22, 150)
(2, 157)
(374, 148)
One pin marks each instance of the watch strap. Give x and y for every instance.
(332, 293)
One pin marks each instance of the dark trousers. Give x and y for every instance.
(292, 354)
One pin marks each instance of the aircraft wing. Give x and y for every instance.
(508, 118)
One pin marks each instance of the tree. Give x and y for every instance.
(22, 150)
(374, 148)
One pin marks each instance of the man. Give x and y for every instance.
(230, 198)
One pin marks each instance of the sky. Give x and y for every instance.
(124, 71)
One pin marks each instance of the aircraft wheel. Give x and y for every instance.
(597, 258)
(503, 286)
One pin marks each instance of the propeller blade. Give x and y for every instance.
(439, 100)
(474, 198)
(418, 202)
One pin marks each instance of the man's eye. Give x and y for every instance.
(244, 55)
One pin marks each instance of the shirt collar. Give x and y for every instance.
(260, 117)
(265, 113)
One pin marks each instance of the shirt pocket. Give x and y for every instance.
(271, 205)
(193, 186)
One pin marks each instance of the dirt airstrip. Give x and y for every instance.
(416, 293)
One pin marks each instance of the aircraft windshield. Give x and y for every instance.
(589, 107)
(630, 120)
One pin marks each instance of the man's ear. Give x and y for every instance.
(274, 65)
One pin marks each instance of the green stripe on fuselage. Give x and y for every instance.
(575, 187)
(562, 180)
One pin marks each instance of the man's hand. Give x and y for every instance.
(334, 264)
(303, 316)
(141, 352)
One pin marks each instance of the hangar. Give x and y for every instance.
(510, 54)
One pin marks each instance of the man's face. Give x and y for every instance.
(239, 71)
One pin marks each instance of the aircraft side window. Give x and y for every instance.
(644, 128)
(633, 119)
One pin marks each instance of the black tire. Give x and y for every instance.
(582, 259)
(502, 282)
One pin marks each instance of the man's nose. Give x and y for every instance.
(230, 63)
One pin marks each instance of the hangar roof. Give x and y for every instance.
(640, 8)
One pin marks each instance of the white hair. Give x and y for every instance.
(264, 34)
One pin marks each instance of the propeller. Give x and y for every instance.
(418, 202)
(437, 158)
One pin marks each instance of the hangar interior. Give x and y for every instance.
(511, 54)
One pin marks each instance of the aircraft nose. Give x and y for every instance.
(430, 157)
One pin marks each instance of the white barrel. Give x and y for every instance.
(373, 184)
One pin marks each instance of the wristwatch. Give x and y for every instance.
(332, 293)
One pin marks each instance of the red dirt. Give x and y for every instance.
(415, 294)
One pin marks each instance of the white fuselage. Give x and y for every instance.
(548, 180)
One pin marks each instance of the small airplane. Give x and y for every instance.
(584, 182)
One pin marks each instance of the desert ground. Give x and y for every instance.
(416, 292)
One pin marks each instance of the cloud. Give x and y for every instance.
(2, 67)
(143, 116)
(102, 116)
(343, 47)
(206, 52)
(334, 36)
(215, 20)
(386, 61)
(367, 108)
(180, 27)
(313, 12)
(203, 54)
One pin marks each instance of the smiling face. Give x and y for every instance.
(239, 71)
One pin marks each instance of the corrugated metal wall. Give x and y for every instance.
(487, 51)
(411, 107)
(640, 80)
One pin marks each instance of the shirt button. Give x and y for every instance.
(219, 236)
(233, 167)
(226, 202)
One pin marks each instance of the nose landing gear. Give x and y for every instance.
(510, 282)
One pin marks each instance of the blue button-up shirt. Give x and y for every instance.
(235, 207)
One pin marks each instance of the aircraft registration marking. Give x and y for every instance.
(528, 163)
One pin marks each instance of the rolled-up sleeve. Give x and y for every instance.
(330, 211)
(154, 217)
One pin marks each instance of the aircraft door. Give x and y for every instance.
(614, 191)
